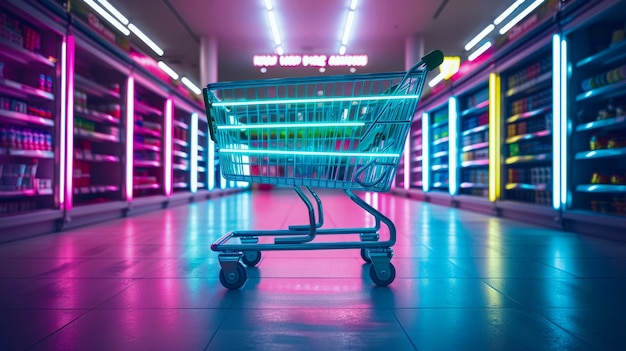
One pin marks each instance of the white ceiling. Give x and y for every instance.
(242, 30)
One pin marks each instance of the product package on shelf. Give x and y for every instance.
(182, 150)
(527, 130)
(597, 109)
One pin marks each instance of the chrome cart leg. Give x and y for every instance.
(382, 270)
(312, 228)
(232, 275)
(320, 213)
(374, 212)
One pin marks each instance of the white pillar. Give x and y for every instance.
(413, 50)
(208, 60)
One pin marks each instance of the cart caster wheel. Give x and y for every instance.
(234, 280)
(387, 279)
(251, 258)
(365, 255)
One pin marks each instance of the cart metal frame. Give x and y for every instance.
(224, 105)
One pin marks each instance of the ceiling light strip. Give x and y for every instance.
(189, 84)
(170, 72)
(520, 16)
(507, 12)
(145, 39)
(114, 11)
(479, 51)
(108, 17)
(348, 27)
(480, 36)
(271, 16)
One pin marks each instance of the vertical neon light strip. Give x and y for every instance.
(193, 177)
(130, 136)
(564, 121)
(407, 160)
(453, 156)
(211, 160)
(494, 138)
(69, 162)
(167, 162)
(62, 126)
(556, 122)
(425, 152)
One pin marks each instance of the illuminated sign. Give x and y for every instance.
(310, 60)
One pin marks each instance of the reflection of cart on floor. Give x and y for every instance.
(340, 132)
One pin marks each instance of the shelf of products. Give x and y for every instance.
(474, 141)
(149, 141)
(415, 158)
(98, 167)
(181, 149)
(597, 111)
(527, 130)
(29, 120)
(439, 148)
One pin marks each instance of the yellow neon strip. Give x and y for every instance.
(494, 137)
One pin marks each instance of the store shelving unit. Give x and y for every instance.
(30, 115)
(98, 110)
(149, 141)
(415, 154)
(181, 152)
(438, 139)
(473, 147)
(203, 152)
(527, 130)
(596, 147)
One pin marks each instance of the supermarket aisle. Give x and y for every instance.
(464, 281)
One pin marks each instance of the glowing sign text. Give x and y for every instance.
(310, 60)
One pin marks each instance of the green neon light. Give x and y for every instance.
(314, 100)
(308, 153)
(293, 125)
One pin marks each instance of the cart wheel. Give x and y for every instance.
(251, 258)
(234, 280)
(365, 255)
(387, 279)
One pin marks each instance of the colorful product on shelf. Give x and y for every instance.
(18, 138)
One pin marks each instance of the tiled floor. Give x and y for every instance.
(464, 281)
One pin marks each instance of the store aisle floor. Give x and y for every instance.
(464, 281)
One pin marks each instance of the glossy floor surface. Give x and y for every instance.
(464, 281)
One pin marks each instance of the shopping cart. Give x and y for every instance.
(340, 132)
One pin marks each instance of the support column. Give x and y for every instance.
(208, 60)
(413, 50)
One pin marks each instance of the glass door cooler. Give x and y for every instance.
(527, 130)
(595, 52)
(181, 152)
(202, 150)
(436, 152)
(152, 143)
(31, 118)
(415, 154)
(473, 124)
(98, 111)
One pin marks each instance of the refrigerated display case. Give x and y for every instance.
(473, 124)
(415, 154)
(595, 187)
(99, 96)
(181, 144)
(438, 140)
(202, 152)
(527, 129)
(31, 118)
(150, 139)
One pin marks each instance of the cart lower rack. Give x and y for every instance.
(338, 132)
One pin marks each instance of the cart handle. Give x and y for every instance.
(208, 106)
